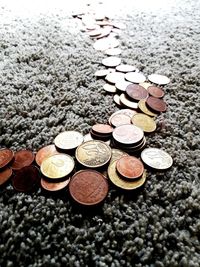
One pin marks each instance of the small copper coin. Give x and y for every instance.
(26, 178)
(135, 77)
(155, 91)
(111, 61)
(156, 104)
(130, 167)
(103, 129)
(158, 79)
(128, 103)
(142, 106)
(136, 92)
(146, 123)
(88, 187)
(44, 153)
(109, 88)
(120, 119)
(128, 112)
(5, 174)
(113, 51)
(68, 140)
(22, 159)
(114, 77)
(102, 137)
(49, 186)
(125, 68)
(6, 156)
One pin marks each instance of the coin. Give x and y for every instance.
(26, 179)
(105, 43)
(113, 51)
(95, 32)
(6, 156)
(135, 77)
(128, 134)
(57, 166)
(136, 92)
(45, 152)
(117, 100)
(130, 167)
(121, 183)
(93, 154)
(5, 174)
(88, 137)
(114, 77)
(125, 68)
(128, 112)
(155, 91)
(121, 85)
(145, 85)
(22, 158)
(133, 148)
(142, 106)
(120, 119)
(68, 140)
(156, 158)
(105, 31)
(146, 123)
(117, 154)
(52, 186)
(111, 61)
(158, 79)
(101, 73)
(103, 137)
(127, 103)
(103, 129)
(88, 187)
(109, 88)
(156, 104)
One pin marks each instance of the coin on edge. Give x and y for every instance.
(130, 167)
(22, 159)
(121, 183)
(68, 140)
(52, 186)
(44, 153)
(156, 158)
(146, 123)
(104, 129)
(5, 175)
(6, 156)
(57, 166)
(88, 187)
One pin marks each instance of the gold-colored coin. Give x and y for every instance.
(143, 107)
(68, 140)
(93, 154)
(145, 85)
(124, 184)
(57, 166)
(143, 121)
(117, 154)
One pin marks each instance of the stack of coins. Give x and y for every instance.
(101, 132)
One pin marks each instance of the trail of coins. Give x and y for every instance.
(114, 152)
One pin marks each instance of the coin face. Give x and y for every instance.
(145, 85)
(142, 106)
(109, 88)
(26, 178)
(45, 152)
(125, 68)
(156, 158)
(111, 61)
(126, 111)
(103, 129)
(101, 73)
(105, 31)
(52, 186)
(57, 166)
(128, 103)
(130, 167)
(106, 43)
(135, 77)
(5, 175)
(128, 134)
(113, 51)
(120, 119)
(93, 154)
(117, 154)
(158, 79)
(156, 104)
(6, 156)
(121, 183)
(114, 77)
(68, 140)
(143, 121)
(122, 84)
(22, 158)
(155, 91)
(136, 92)
(88, 187)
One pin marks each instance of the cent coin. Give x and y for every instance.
(52, 186)
(146, 123)
(68, 140)
(142, 106)
(114, 77)
(121, 85)
(103, 129)
(120, 119)
(125, 68)
(156, 158)
(88, 187)
(126, 111)
(155, 91)
(101, 73)
(109, 88)
(44, 153)
(136, 92)
(158, 79)
(5, 174)
(135, 77)
(93, 154)
(57, 166)
(6, 156)
(113, 51)
(127, 103)
(156, 104)
(145, 85)
(130, 167)
(22, 158)
(111, 61)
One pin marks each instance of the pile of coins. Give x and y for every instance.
(109, 152)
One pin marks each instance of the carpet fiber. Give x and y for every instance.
(47, 85)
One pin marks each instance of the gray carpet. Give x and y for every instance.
(47, 85)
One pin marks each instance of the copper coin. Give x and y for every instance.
(126, 111)
(103, 129)
(113, 51)
(156, 104)
(155, 91)
(128, 134)
(159, 79)
(26, 178)
(88, 187)
(136, 92)
(5, 174)
(120, 119)
(102, 137)
(49, 186)
(6, 156)
(44, 153)
(135, 77)
(111, 61)
(127, 102)
(125, 68)
(109, 88)
(22, 159)
(114, 77)
(130, 167)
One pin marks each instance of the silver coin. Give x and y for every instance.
(158, 79)
(116, 100)
(126, 111)
(114, 77)
(125, 68)
(128, 103)
(156, 158)
(113, 51)
(122, 84)
(109, 88)
(101, 73)
(111, 61)
(135, 77)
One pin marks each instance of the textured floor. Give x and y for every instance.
(47, 86)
